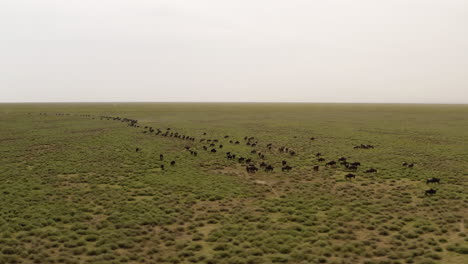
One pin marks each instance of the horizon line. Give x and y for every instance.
(228, 102)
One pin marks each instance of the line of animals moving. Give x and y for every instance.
(214, 145)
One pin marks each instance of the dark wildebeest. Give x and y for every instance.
(318, 154)
(137, 149)
(173, 162)
(411, 165)
(248, 160)
(161, 157)
(430, 192)
(371, 170)
(330, 163)
(321, 159)
(162, 167)
(404, 164)
(251, 168)
(342, 159)
(433, 180)
(220, 146)
(213, 150)
(312, 138)
(241, 159)
(356, 163)
(286, 168)
(350, 176)
(352, 167)
(316, 168)
(269, 168)
(283, 162)
(205, 147)
(237, 142)
(292, 153)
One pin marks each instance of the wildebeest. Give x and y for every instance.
(241, 159)
(213, 150)
(283, 162)
(404, 164)
(220, 146)
(286, 168)
(269, 168)
(371, 170)
(161, 157)
(430, 192)
(350, 176)
(411, 165)
(251, 168)
(316, 168)
(321, 159)
(162, 167)
(433, 180)
(330, 163)
(318, 154)
(173, 162)
(342, 159)
(355, 163)
(312, 138)
(137, 149)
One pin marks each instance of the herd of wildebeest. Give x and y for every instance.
(214, 146)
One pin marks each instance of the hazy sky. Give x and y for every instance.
(237, 50)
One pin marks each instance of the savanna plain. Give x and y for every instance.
(86, 183)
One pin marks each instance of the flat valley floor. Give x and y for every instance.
(82, 183)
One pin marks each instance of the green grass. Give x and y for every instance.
(73, 189)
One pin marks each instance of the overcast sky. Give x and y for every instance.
(238, 50)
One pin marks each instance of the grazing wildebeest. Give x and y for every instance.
(356, 163)
(371, 170)
(411, 165)
(430, 192)
(316, 168)
(312, 138)
(241, 159)
(248, 160)
(162, 167)
(226, 136)
(352, 167)
(220, 146)
(251, 168)
(212, 145)
(283, 162)
(269, 168)
(286, 168)
(253, 151)
(342, 159)
(213, 150)
(161, 157)
(173, 162)
(404, 164)
(350, 176)
(237, 143)
(321, 159)
(433, 180)
(292, 153)
(195, 153)
(263, 164)
(137, 149)
(318, 154)
(205, 147)
(330, 163)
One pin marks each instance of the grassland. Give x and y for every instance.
(74, 190)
